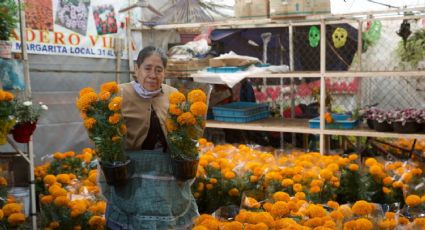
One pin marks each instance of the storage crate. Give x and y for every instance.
(239, 109)
(229, 69)
(243, 119)
(240, 112)
(341, 121)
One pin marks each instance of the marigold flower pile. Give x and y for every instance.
(69, 195)
(11, 212)
(227, 173)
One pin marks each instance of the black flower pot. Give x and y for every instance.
(408, 127)
(382, 126)
(369, 123)
(117, 174)
(184, 169)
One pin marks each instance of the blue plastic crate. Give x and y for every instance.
(239, 109)
(341, 121)
(243, 119)
(226, 69)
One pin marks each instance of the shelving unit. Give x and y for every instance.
(301, 126)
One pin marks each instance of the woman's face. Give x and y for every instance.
(151, 72)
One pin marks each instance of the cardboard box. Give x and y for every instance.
(296, 8)
(251, 8)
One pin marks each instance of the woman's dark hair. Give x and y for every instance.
(149, 51)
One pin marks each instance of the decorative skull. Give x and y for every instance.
(314, 36)
(339, 37)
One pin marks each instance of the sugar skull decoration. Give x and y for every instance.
(314, 36)
(339, 37)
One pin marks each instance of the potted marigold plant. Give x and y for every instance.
(7, 121)
(105, 125)
(26, 114)
(185, 126)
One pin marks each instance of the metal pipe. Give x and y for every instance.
(322, 84)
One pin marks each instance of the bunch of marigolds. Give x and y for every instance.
(103, 120)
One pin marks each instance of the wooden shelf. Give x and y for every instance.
(269, 124)
(365, 132)
(301, 126)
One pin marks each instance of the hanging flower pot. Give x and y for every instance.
(184, 169)
(5, 49)
(22, 132)
(117, 173)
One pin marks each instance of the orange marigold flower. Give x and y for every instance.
(300, 195)
(61, 201)
(388, 181)
(281, 196)
(63, 178)
(234, 225)
(174, 109)
(362, 207)
(115, 104)
(297, 187)
(89, 122)
(353, 167)
(116, 139)
(315, 189)
(58, 156)
(197, 95)
(279, 209)
(8, 96)
(390, 215)
(11, 208)
(370, 161)
(16, 219)
(176, 98)
(3, 181)
(186, 119)
(86, 100)
(123, 129)
(86, 90)
(69, 154)
(104, 95)
(232, 192)
(171, 126)
(413, 200)
(199, 108)
(49, 179)
(326, 174)
(333, 204)
(114, 119)
(47, 199)
(229, 175)
(353, 157)
(111, 87)
(287, 182)
(386, 190)
(364, 224)
(96, 221)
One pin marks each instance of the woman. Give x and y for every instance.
(152, 198)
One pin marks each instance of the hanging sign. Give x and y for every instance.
(87, 28)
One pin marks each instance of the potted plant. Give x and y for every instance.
(105, 125)
(8, 21)
(26, 114)
(382, 121)
(7, 121)
(406, 120)
(185, 126)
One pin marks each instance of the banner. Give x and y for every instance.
(88, 28)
